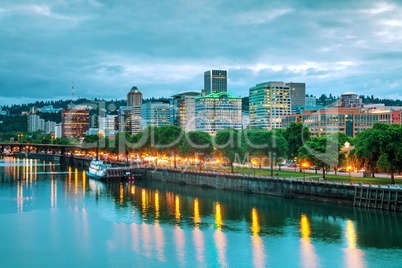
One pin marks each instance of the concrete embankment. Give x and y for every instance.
(350, 194)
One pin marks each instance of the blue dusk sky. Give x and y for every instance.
(165, 46)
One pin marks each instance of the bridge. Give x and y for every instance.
(37, 147)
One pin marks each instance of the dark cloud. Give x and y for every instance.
(164, 46)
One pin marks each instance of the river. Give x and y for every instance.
(52, 215)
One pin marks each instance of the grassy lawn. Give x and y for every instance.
(309, 176)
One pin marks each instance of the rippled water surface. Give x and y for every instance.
(52, 215)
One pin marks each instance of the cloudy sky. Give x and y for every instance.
(165, 46)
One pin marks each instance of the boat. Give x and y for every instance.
(104, 172)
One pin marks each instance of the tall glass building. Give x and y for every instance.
(269, 101)
(217, 111)
(297, 93)
(182, 110)
(215, 81)
(155, 114)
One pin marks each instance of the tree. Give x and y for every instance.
(197, 143)
(322, 151)
(367, 147)
(122, 142)
(147, 141)
(339, 138)
(228, 143)
(266, 145)
(170, 140)
(296, 136)
(390, 142)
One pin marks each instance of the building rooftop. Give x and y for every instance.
(135, 89)
(349, 93)
(218, 95)
(186, 93)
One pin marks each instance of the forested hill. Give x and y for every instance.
(19, 108)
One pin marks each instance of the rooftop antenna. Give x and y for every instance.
(72, 99)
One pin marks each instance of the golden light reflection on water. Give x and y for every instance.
(156, 206)
(121, 193)
(132, 189)
(198, 237)
(197, 218)
(351, 234)
(309, 258)
(220, 237)
(69, 178)
(83, 182)
(76, 181)
(143, 202)
(177, 208)
(23, 168)
(258, 246)
(353, 255)
(36, 170)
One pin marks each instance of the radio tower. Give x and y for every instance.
(72, 99)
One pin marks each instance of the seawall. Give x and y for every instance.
(380, 197)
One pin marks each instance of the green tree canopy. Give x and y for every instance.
(228, 144)
(170, 140)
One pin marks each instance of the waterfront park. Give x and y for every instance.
(373, 157)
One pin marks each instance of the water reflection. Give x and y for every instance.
(309, 258)
(160, 242)
(53, 192)
(83, 182)
(353, 256)
(179, 233)
(220, 237)
(144, 204)
(20, 196)
(183, 225)
(256, 241)
(198, 237)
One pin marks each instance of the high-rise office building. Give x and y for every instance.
(215, 81)
(135, 120)
(107, 122)
(134, 100)
(269, 101)
(182, 110)
(123, 122)
(155, 114)
(134, 97)
(75, 123)
(217, 111)
(297, 93)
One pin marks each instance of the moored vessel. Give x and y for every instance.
(104, 172)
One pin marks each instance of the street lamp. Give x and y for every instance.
(304, 165)
(349, 168)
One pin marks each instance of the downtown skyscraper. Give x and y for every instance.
(215, 81)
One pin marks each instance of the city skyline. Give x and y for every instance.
(161, 46)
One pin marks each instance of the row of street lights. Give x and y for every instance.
(304, 166)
